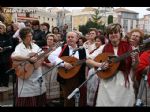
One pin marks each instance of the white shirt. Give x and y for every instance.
(29, 87)
(96, 52)
(89, 47)
(54, 56)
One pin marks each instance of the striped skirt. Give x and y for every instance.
(35, 101)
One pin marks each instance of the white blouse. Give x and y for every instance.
(31, 86)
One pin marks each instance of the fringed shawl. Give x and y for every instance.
(125, 64)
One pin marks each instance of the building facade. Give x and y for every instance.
(127, 18)
(21, 14)
(144, 24)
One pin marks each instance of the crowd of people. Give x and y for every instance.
(43, 59)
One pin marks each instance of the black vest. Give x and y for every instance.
(81, 74)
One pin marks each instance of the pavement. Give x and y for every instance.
(6, 98)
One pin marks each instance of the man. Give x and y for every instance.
(68, 85)
(37, 34)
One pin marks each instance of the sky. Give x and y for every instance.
(141, 10)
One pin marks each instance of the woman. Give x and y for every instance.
(135, 39)
(55, 30)
(92, 84)
(52, 85)
(90, 43)
(81, 41)
(31, 89)
(118, 89)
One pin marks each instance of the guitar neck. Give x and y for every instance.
(43, 55)
(125, 55)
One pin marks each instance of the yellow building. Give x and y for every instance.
(7, 15)
(81, 17)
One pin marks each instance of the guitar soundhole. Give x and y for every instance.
(100, 61)
(66, 70)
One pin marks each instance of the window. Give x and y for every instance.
(131, 24)
(125, 24)
(27, 14)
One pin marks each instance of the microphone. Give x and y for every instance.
(79, 48)
(4, 48)
(73, 93)
(8, 47)
(145, 44)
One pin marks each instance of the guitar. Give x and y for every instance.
(24, 69)
(114, 61)
(67, 74)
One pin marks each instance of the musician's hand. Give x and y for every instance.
(47, 64)
(104, 65)
(32, 59)
(67, 65)
(135, 58)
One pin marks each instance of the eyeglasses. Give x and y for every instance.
(29, 36)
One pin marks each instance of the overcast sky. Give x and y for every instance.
(141, 10)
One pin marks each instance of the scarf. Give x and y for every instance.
(125, 64)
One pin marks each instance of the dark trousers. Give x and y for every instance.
(4, 78)
(67, 89)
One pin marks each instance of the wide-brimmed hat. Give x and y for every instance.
(2, 24)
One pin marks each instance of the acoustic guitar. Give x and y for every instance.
(76, 63)
(24, 69)
(114, 61)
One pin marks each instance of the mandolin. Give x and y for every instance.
(25, 68)
(114, 61)
(76, 63)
